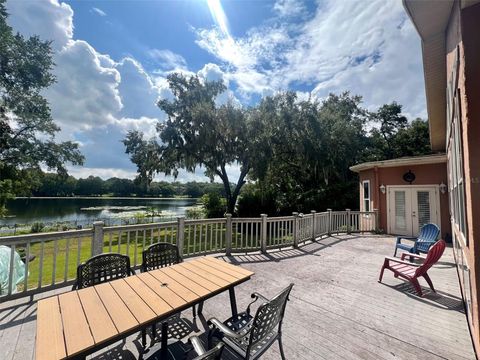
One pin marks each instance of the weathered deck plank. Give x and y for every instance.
(337, 308)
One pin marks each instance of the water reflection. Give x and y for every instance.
(26, 211)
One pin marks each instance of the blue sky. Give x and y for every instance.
(112, 58)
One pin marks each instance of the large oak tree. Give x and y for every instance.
(198, 133)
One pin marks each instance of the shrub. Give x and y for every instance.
(254, 201)
(37, 227)
(194, 212)
(214, 206)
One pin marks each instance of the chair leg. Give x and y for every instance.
(194, 312)
(144, 338)
(429, 282)
(210, 338)
(280, 345)
(154, 332)
(164, 348)
(417, 286)
(395, 252)
(385, 264)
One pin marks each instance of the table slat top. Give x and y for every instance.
(73, 323)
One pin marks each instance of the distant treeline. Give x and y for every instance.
(55, 185)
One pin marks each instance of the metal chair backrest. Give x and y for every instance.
(269, 316)
(102, 268)
(434, 254)
(159, 255)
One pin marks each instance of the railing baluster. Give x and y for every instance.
(269, 229)
(10, 274)
(258, 234)
(277, 238)
(119, 242)
(135, 249)
(128, 244)
(187, 227)
(40, 270)
(144, 239)
(110, 242)
(211, 236)
(54, 265)
(194, 238)
(27, 262)
(67, 250)
(79, 249)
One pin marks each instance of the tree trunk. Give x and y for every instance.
(232, 197)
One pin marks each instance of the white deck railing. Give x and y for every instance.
(58, 254)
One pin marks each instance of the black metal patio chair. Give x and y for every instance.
(160, 255)
(102, 268)
(179, 351)
(249, 337)
(157, 256)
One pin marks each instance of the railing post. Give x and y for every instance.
(314, 223)
(377, 220)
(349, 221)
(295, 229)
(329, 225)
(263, 239)
(180, 235)
(228, 235)
(97, 239)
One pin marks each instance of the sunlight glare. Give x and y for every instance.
(219, 16)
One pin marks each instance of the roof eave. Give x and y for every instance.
(406, 161)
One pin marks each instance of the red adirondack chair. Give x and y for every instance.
(411, 271)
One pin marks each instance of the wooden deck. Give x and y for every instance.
(338, 310)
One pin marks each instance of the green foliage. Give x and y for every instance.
(394, 137)
(52, 184)
(306, 149)
(255, 200)
(90, 186)
(37, 227)
(194, 212)
(214, 206)
(27, 130)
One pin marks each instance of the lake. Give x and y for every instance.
(86, 210)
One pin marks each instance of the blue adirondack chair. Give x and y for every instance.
(421, 244)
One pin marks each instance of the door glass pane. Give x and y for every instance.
(423, 199)
(400, 212)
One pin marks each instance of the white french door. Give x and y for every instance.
(411, 207)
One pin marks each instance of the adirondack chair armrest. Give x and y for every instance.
(404, 255)
(388, 258)
(399, 239)
(215, 323)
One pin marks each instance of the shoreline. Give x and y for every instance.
(103, 197)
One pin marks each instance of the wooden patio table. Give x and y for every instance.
(78, 323)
